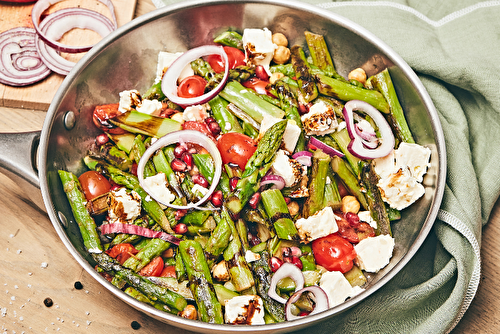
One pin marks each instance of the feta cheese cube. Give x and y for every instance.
(337, 287)
(385, 166)
(415, 157)
(157, 185)
(320, 120)
(251, 256)
(195, 113)
(124, 205)
(150, 107)
(374, 253)
(165, 59)
(366, 217)
(129, 99)
(245, 309)
(321, 224)
(290, 136)
(400, 189)
(289, 169)
(259, 47)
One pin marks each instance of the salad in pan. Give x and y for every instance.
(250, 184)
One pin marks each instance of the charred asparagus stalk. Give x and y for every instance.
(277, 210)
(320, 55)
(307, 86)
(319, 172)
(153, 126)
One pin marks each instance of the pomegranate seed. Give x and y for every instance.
(179, 214)
(133, 169)
(179, 150)
(287, 200)
(260, 72)
(295, 251)
(200, 179)
(217, 198)
(209, 120)
(233, 182)
(178, 165)
(101, 139)
(303, 313)
(115, 187)
(302, 109)
(214, 128)
(253, 239)
(296, 261)
(352, 218)
(254, 200)
(180, 228)
(275, 263)
(188, 159)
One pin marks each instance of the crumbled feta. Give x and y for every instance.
(259, 47)
(251, 256)
(374, 253)
(366, 217)
(320, 120)
(245, 309)
(195, 113)
(337, 287)
(157, 185)
(123, 205)
(289, 169)
(415, 157)
(321, 224)
(165, 59)
(400, 189)
(150, 107)
(129, 99)
(290, 136)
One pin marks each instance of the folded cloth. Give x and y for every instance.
(453, 47)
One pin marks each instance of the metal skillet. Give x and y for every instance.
(126, 59)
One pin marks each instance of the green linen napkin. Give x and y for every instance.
(454, 47)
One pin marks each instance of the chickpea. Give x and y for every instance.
(279, 39)
(358, 74)
(189, 312)
(350, 204)
(293, 208)
(281, 55)
(179, 117)
(220, 272)
(275, 77)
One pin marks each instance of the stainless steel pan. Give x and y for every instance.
(127, 59)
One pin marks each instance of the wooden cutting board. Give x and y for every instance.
(39, 95)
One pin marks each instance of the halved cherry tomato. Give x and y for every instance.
(168, 271)
(198, 126)
(258, 85)
(153, 268)
(192, 86)
(236, 148)
(122, 252)
(334, 253)
(235, 57)
(94, 184)
(101, 116)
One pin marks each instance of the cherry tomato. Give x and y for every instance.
(258, 85)
(198, 126)
(168, 271)
(235, 57)
(334, 253)
(122, 252)
(192, 86)
(94, 184)
(236, 148)
(101, 116)
(153, 268)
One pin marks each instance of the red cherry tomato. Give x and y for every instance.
(153, 268)
(258, 85)
(235, 57)
(122, 252)
(236, 148)
(192, 86)
(94, 184)
(334, 253)
(168, 271)
(101, 116)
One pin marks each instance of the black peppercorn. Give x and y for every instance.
(78, 285)
(135, 325)
(48, 302)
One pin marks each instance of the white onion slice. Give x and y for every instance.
(286, 270)
(75, 22)
(360, 147)
(320, 299)
(20, 63)
(277, 181)
(169, 80)
(186, 136)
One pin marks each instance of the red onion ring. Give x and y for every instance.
(277, 181)
(169, 80)
(357, 145)
(303, 157)
(138, 230)
(325, 148)
(58, 23)
(321, 300)
(286, 270)
(84, 23)
(20, 64)
(191, 136)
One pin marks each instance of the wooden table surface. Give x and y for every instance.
(35, 265)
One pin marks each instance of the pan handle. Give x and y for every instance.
(18, 161)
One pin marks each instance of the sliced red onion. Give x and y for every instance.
(303, 157)
(320, 299)
(277, 181)
(67, 19)
(325, 148)
(61, 21)
(170, 78)
(286, 270)
(186, 136)
(358, 146)
(20, 64)
(138, 230)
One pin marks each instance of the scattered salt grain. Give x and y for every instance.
(3, 311)
(16, 287)
(13, 298)
(88, 322)
(29, 274)
(12, 236)
(29, 285)
(44, 265)
(21, 318)
(19, 251)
